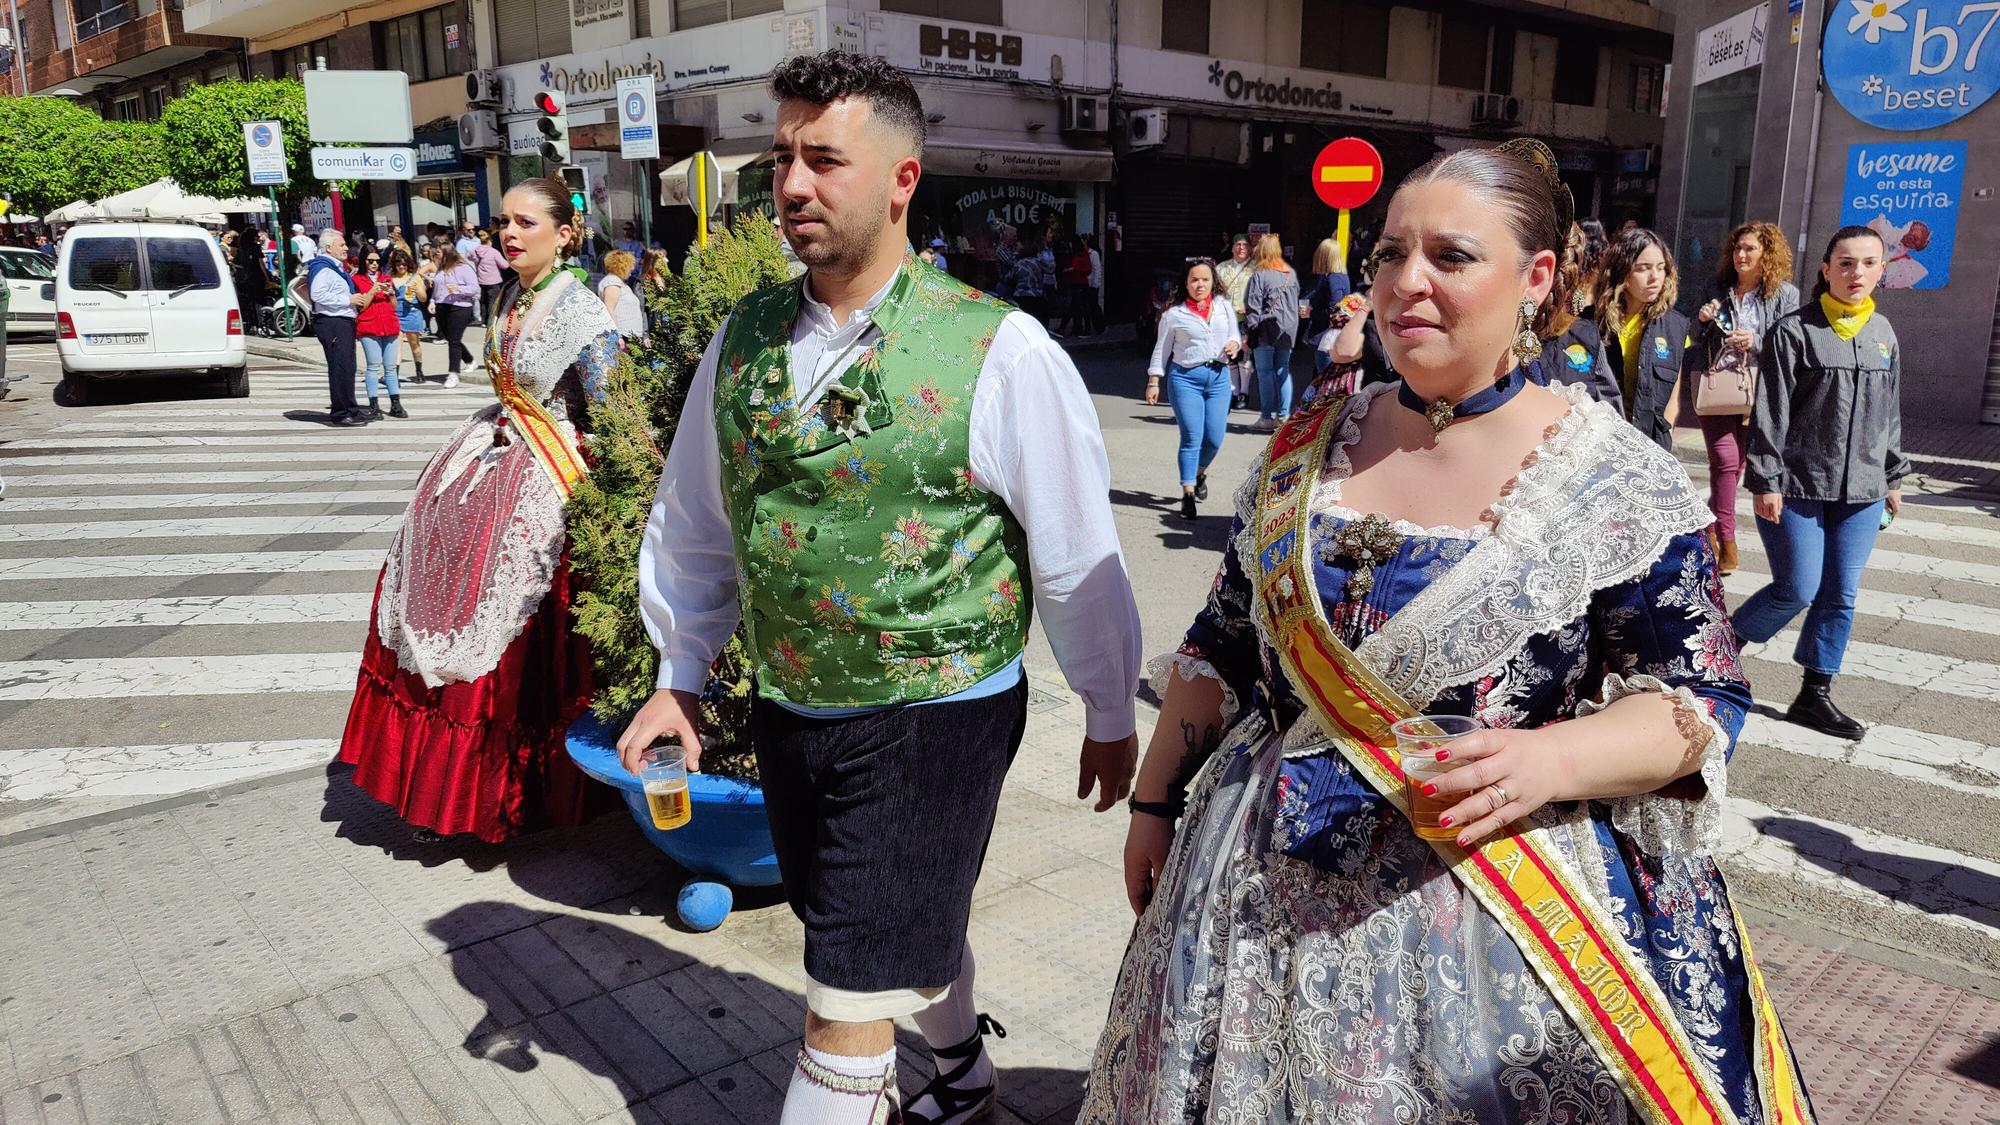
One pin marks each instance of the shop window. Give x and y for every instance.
(968, 11)
(527, 31)
(420, 46)
(297, 59)
(1463, 52)
(1576, 71)
(1348, 36)
(1647, 80)
(1184, 25)
(700, 13)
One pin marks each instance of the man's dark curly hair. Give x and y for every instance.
(830, 75)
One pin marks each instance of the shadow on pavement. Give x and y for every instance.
(670, 1032)
(1916, 882)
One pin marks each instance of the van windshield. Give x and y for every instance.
(104, 263)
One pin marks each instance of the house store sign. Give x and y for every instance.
(1912, 64)
(1239, 87)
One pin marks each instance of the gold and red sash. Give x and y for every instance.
(553, 451)
(1518, 877)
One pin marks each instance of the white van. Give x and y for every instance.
(138, 298)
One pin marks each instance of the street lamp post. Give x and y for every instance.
(20, 57)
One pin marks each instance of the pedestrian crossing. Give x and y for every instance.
(186, 586)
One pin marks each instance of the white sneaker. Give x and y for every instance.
(450, 381)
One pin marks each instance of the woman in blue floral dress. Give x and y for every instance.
(1301, 954)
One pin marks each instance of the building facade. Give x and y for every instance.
(1805, 115)
(124, 59)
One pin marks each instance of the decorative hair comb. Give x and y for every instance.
(1539, 155)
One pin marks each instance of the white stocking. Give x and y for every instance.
(949, 1022)
(830, 1089)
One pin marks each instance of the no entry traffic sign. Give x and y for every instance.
(1347, 173)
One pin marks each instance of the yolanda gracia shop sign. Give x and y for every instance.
(1907, 193)
(1912, 64)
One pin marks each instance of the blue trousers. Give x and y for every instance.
(1274, 380)
(1817, 551)
(381, 354)
(1200, 398)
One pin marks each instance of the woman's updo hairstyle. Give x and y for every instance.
(553, 195)
(1519, 177)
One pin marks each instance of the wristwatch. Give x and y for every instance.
(1165, 810)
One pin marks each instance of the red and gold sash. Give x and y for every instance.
(1518, 877)
(553, 451)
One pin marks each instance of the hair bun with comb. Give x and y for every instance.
(1544, 160)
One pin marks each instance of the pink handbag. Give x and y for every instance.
(1729, 386)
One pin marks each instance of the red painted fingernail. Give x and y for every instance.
(1444, 755)
(1462, 841)
(1444, 822)
(1430, 790)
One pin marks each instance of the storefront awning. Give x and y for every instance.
(1016, 161)
(730, 156)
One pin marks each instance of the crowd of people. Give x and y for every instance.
(1469, 521)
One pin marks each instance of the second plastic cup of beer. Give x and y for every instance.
(663, 772)
(1418, 740)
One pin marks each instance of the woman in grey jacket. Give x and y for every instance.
(1751, 294)
(1271, 314)
(1825, 460)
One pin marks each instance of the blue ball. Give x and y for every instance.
(704, 906)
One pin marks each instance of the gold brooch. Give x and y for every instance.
(1439, 414)
(1370, 542)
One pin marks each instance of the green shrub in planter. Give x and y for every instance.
(632, 429)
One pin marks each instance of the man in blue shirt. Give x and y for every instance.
(336, 298)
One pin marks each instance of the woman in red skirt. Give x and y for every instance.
(472, 675)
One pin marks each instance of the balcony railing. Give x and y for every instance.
(117, 13)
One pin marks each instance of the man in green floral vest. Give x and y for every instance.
(881, 474)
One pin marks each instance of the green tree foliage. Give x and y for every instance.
(110, 157)
(35, 151)
(632, 428)
(204, 137)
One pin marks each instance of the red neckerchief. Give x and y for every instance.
(1200, 308)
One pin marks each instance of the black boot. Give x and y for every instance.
(1814, 710)
(374, 410)
(396, 407)
(1201, 486)
(1187, 506)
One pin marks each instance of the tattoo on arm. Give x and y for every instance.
(1197, 743)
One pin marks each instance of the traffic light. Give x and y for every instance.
(577, 179)
(554, 124)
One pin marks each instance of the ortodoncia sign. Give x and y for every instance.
(264, 148)
(1912, 64)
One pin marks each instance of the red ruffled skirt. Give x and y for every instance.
(485, 756)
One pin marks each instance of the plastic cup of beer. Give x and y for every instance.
(663, 772)
(1418, 739)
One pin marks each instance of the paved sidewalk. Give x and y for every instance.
(283, 953)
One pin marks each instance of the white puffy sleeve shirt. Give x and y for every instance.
(1035, 444)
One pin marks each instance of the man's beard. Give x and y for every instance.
(841, 245)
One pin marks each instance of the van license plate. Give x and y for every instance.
(116, 338)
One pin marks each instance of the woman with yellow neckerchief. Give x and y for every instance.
(1825, 460)
(1459, 542)
(1645, 337)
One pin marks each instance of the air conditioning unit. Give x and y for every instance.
(1146, 128)
(484, 87)
(1496, 109)
(479, 131)
(1085, 113)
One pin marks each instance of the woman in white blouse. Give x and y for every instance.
(1197, 341)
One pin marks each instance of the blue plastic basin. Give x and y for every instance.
(728, 839)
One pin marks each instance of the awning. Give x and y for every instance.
(1016, 161)
(731, 157)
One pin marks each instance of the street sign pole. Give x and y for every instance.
(698, 180)
(1341, 229)
(279, 240)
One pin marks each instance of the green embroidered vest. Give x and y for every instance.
(870, 569)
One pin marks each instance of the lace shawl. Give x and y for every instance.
(478, 548)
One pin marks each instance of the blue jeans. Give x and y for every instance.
(1274, 380)
(1200, 398)
(381, 354)
(1817, 551)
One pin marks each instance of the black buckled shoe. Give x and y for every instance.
(949, 1104)
(1814, 709)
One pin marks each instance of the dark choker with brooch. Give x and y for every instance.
(1442, 412)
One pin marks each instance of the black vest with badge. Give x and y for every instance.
(1662, 348)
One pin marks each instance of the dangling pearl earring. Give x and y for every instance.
(1526, 344)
